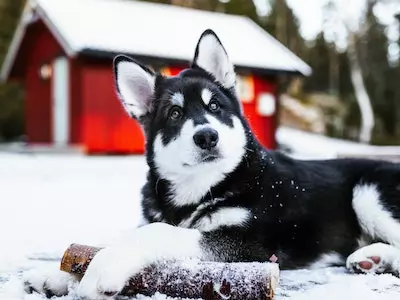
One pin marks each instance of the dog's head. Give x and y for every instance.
(192, 121)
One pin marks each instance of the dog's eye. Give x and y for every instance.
(175, 113)
(214, 106)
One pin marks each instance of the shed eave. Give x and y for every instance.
(66, 45)
(109, 54)
(73, 46)
(31, 12)
(16, 42)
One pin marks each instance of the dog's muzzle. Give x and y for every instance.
(206, 138)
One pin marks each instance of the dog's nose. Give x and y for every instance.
(206, 138)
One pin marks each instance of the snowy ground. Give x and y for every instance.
(315, 146)
(50, 201)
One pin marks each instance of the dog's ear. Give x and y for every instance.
(135, 86)
(211, 56)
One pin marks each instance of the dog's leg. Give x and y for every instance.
(49, 281)
(113, 266)
(376, 258)
(377, 222)
(376, 219)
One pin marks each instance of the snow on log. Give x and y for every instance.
(188, 279)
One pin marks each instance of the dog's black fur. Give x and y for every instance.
(300, 209)
(244, 202)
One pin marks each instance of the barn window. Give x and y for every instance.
(45, 71)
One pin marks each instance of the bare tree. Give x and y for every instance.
(354, 29)
(363, 99)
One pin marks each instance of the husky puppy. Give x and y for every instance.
(214, 193)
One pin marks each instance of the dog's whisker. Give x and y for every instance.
(248, 149)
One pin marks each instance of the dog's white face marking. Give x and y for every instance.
(372, 216)
(178, 99)
(180, 161)
(206, 96)
(327, 260)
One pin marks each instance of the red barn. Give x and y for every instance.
(62, 51)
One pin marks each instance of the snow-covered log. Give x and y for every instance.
(189, 279)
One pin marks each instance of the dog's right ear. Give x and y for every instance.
(211, 56)
(135, 86)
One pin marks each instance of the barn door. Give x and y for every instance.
(60, 97)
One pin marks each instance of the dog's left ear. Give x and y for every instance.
(211, 56)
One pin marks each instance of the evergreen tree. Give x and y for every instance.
(285, 27)
(379, 76)
(11, 116)
(241, 7)
(319, 80)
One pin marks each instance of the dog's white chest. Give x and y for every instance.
(224, 216)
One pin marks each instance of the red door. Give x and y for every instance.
(106, 126)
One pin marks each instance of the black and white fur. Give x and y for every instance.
(214, 193)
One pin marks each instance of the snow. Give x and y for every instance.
(50, 201)
(157, 30)
(317, 146)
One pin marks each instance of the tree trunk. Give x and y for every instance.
(363, 100)
(281, 31)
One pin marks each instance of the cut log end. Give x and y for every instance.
(191, 279)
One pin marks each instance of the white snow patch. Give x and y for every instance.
(307, 145)
(336, 283)
(49, 202)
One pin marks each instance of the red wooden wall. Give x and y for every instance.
(264, 127)
(41, 48)
(98, 122)
(75, 102)
(105, 126)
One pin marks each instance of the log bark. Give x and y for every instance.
(188, 279)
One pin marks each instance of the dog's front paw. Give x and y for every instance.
(109, 271)
(48, 281)
(112, 267)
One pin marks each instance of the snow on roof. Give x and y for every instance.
(155, 30)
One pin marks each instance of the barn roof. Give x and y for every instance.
(152, 30)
